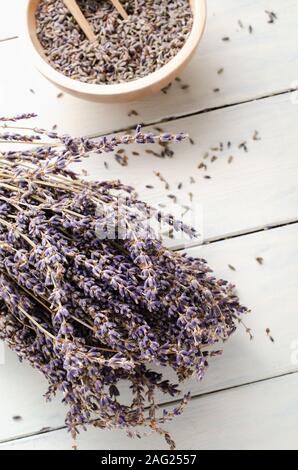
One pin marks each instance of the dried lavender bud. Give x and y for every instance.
(89, 308)
(125, 50)
(14, 137)
(162, 179)
(17, 418)
(202, 165)
(133, 112)
(256, 136)
(166, 89)
(243, 146)
(173, 197)
(268, 332)
(20, 117)
(272, 17)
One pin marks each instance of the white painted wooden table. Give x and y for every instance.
(250, 209)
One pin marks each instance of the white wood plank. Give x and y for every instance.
(259, 416)
(10, 18)
(257, 189)
(270, 290)
(254, 65)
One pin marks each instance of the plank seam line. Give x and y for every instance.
(161, 405)
(185, 115)
(265, 228)
(8, 39)
(196, 113)
(245, 384)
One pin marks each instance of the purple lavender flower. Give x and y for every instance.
(89, 312)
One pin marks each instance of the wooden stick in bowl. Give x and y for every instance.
(80, 19)
(120, 9)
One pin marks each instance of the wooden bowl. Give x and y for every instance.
(129, 91)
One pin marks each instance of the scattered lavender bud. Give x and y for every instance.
(268, 332)
(17, 418)
(272, 17)
(133, 112)
(243, 146)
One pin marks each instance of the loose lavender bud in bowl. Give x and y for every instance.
(130, 59)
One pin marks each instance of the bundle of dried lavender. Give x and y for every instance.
(88, 311)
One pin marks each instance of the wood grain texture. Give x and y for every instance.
(271, 296)
(255, 65)
(258, 416)
(258, 189)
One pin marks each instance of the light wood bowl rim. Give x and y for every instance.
(151, 81)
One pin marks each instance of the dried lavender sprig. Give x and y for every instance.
(14, 137)
(89, 312)
(19, 117)
(65, 149)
